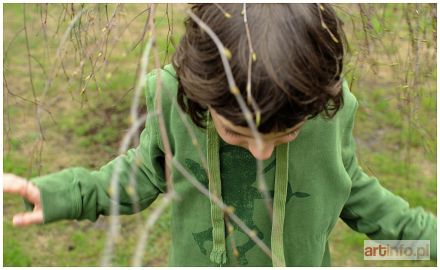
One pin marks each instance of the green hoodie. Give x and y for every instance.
(313, 180)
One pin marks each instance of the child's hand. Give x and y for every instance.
(18, 185)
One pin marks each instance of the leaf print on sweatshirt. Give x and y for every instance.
(238, 176)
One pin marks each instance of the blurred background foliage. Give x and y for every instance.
(83, 82)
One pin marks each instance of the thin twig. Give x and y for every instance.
(162, 127)
(324, 25)
(225, 208)
(252, 58)
(152, 218)
(227, 15)
(143, 32)
(5, 52)
(225, 54)
(140, 85)
(39, 149)
(169, 34)
(58, 56)
(113, 231)
(163, 132)
(8, 115)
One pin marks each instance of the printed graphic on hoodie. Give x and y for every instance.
(237, 191)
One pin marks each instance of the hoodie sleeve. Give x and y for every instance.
(374, 210)
(79, 193)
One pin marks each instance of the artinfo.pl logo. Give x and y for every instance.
(396, 249)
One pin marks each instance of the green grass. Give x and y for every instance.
(395, 144)
(13, 253)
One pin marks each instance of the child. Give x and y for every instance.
(305, 118)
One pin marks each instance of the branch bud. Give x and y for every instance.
(234, 90)
(227, 53)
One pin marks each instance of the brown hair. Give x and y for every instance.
(299, 58)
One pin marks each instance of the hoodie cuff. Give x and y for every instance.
(58, 200)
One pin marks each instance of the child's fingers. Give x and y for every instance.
(18, 185)
(13, 183)
(24, 219)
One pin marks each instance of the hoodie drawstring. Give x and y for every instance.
(279, 205)
(218, 254)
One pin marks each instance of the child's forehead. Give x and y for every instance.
(245, 131)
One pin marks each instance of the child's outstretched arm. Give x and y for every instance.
(79, 193)
(377, 212)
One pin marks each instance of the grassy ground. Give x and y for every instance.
(395, 128)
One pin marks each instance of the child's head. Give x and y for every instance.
(297, 70)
